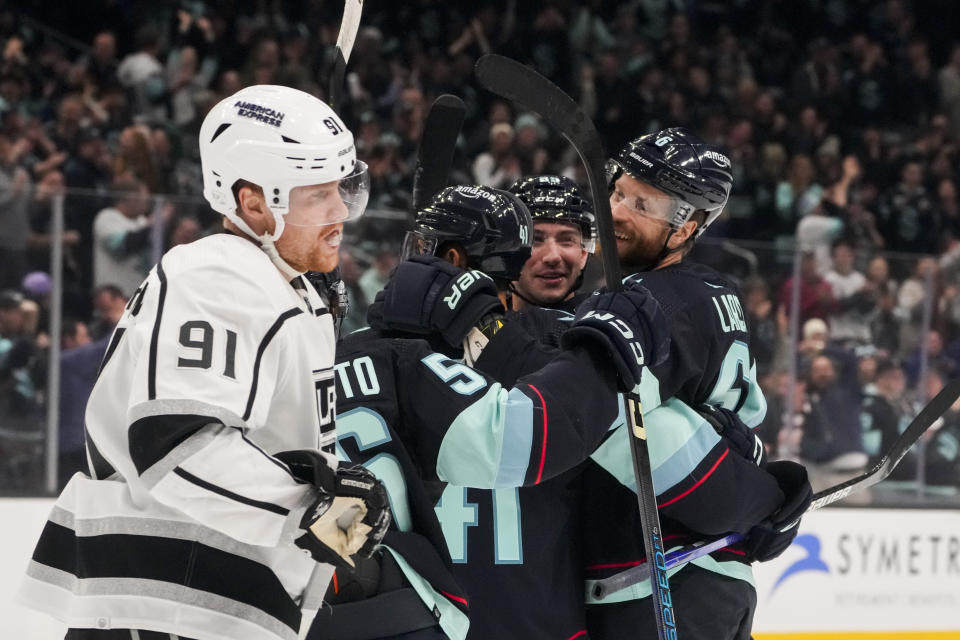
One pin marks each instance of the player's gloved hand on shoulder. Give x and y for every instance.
(350, 514)
(741, 438)
(628, 324)
(427, 294)
(774, 535)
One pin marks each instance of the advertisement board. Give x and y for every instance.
(865, 570)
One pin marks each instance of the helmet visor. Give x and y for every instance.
(660, 208)
(416, 243)
(330, 203)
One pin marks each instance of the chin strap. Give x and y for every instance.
(266, 243)
(512, 289)
(653, 264)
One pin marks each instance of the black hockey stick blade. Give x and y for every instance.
(349, 26)
(519, 83)
(880, 471)
(438, 142)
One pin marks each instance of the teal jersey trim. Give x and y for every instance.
(488, 445)
(754, 409)
(452, 621)
(678, 439)
(518, 440)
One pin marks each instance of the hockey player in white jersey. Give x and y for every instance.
(214, 508)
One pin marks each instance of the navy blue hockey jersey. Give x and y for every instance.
(420, 420)
(703, 487)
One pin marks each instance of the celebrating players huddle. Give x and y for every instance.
(459, 469)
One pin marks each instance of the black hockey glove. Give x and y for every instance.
(741, 438)
(774, 535)
(628, 324)
(350, 514)
(427, 294)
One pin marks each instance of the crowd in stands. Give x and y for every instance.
(842, 119)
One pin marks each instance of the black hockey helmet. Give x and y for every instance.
(558, 199)
(682, 165)
(494, 227)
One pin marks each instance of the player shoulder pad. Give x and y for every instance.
(230, 271)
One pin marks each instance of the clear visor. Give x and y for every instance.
(660, 208)
(330, 203)
(417, 244)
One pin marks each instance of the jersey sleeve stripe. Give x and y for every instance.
(152, 438)
(543, 445)
(517, 440)
(698, 483)
(271, 332)
(155, 338)
(685, 460)
(200, 482)
(114, 341)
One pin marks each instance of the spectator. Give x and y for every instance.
(498, 167)
(142, 75)
(816, 296)
(762, 322)
(19, 355)
(937, 358)
(109, 303)
(799, 193)
(948, 79)
(375, 277)
(121, 234)
(908, 219)
(79, 364)
(831, 425)
(943, 445)
(882, 320)
(848, 322)
(14, 214)
(884, 414)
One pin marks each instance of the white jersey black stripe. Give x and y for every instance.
(210, 372)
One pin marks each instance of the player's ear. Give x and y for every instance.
(252, 207)
(682, 234)
(456, 257)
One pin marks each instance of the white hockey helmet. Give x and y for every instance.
(279, 138)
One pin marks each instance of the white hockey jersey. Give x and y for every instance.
(187, 526)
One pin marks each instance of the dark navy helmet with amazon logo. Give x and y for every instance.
(694, 174)
(493, 226)
(558, 199)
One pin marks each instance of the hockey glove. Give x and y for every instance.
(628, 324)
(350, 514)
(774, 535)
(741, 438)
(428, 295)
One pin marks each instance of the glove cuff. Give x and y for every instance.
(580, 334)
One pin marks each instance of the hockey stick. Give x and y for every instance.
(438, 142)
(519, 83)
(924, 420)
(349, 26)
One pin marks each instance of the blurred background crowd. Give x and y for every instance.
(842, 118)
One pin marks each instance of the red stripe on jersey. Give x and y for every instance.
(699, 482)
(462, 601)
(543, 448)
(732, 550)
(578, 634)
